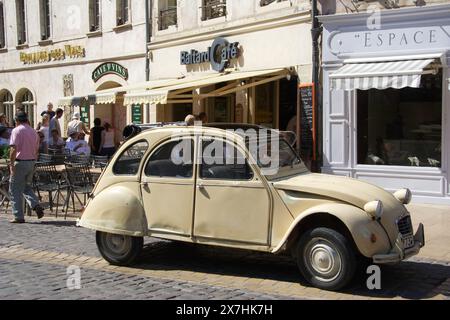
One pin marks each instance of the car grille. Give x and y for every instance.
(405, 226)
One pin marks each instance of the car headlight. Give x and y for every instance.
(375, 208)
(404, 196)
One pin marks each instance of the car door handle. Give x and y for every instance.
(145, 185)
(201, 186)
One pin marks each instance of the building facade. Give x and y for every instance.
(386, 98)
(54, 49)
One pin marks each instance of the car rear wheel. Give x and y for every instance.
(326, 259)
(119, 250)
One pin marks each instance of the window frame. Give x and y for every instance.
(93, 6)
(2, 26)
(203, 17)
(121, 5)
(22, 31)
(167, 8)
(237, 147)
(161, 145)
(45, 19)
(138, 173)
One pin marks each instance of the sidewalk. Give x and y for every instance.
(436, 220)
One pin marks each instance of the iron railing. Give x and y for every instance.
(167, 18)
(212, 9)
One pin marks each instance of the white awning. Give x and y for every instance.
(381, 75)
(178, 91)
(105, 98)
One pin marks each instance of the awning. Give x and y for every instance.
(181, 91)
(448, 83)
(104, 98)
(381, 75)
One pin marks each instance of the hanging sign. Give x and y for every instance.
(109, 68)
(136, 114)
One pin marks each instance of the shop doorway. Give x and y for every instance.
(288, 104)
(180, 111)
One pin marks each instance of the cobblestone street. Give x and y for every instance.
(34, 258)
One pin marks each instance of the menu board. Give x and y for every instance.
(85, 110)
(307, 116)
(136, 114)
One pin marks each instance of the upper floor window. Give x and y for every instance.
(44, 9)
(21, 22)
(264, 3)
(167, 14)
(94, 15)
(123, 12)
(212, 9)
(2, 27)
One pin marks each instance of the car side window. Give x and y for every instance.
(174, 159)
(221, 160)
(129, 161)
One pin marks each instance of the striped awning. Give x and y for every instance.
(76, 101)
(150, 97)
(104, 98)
(381, 75)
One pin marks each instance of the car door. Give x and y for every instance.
(231, 201)
(168, 185)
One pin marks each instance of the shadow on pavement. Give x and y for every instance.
(55, 223)
(409, 280)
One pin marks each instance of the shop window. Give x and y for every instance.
(130, 160)
(7, 106)
(94, 15)
(223, 161)
(123, 12)
(263, 3)
(2, 27)
(21, 22)
(401, 127)
(174, 159)
(212, 9)
(44, 11)
(167, 14)
(265, 104)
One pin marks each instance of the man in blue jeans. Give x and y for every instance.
(23, 155)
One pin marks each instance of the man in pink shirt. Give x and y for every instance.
(24, 153)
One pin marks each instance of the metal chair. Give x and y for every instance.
(48, 179)
(45, 158)
(78, 159)
(80, 181)
(99, 161)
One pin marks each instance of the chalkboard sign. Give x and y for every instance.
(307, 117)
(136, 114)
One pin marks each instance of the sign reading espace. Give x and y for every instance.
(219, 55)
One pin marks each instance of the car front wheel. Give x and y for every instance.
(325, 259)
(119, 250)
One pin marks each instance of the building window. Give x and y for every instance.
(2, 27)
(263, 3)
(44, 9)
(26, 103)
(212, 9)
(94, 15)
(167, 14)
(123, 12)
(7, 106)
(150, 20)
(21, 22)
(401, 127)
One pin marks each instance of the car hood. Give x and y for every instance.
(352, 191)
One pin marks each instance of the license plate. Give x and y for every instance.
(408, 242)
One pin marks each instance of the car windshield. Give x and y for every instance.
(277, 159)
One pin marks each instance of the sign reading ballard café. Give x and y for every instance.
(59, 54)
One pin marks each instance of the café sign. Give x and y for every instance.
(219, 55)
(59, 54)
(109, 68)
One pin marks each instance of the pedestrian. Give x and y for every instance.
(50, 111)
(190, 120)
(43, 143)
(95, 138)
(3, 120)
(54, 122)
(24, 152)
(108, 144)
(203, 117)
(76, 125)
(56, 142)
(44, 126)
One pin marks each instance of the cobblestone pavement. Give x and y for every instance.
(34, 258)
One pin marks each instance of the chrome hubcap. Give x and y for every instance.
(324, 260)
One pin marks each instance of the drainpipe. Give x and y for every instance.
(316, 31)
(148, 26)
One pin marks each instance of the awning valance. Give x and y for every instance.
(381, 75)
(179, 90)
(105, 98)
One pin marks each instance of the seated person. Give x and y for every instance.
(4, 136)
(56, 142)
(77, 145)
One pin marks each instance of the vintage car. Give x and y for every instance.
(328, 224)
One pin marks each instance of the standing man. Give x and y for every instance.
(50, 111)
(54, 122)
(23, 155)
(76, 125)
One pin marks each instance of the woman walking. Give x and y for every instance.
(95, 138)
(108, 145)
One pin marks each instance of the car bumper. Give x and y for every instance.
(399, 253)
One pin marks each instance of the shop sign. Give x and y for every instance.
(136, 114)
(110, 68)
(85, 110)
(60, 54)
(218, 55)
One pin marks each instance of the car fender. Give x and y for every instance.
(360, 225)
(117, 210)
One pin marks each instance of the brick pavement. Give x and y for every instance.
(50, 246)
